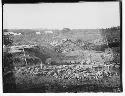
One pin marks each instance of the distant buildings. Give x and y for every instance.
(14, 49)
(38, 33)
(48, 32)
(11, 33)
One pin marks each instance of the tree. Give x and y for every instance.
(111, 35)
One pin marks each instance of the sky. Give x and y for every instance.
(87, 15)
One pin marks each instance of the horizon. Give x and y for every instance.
(55, 29)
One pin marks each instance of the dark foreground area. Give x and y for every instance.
(61, 89)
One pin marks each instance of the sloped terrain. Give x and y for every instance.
(64, 62)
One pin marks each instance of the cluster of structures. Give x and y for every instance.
(11, 33)
(20, 48)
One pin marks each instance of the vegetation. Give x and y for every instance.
(66, 64)
(112, 34)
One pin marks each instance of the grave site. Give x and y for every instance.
(67, 60)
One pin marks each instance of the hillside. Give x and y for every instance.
(68, 59)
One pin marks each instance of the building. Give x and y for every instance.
(48, 32)
(11, 33)
(38, 33)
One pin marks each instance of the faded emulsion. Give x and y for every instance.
(51, 54)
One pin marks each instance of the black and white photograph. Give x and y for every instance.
(62, 47)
